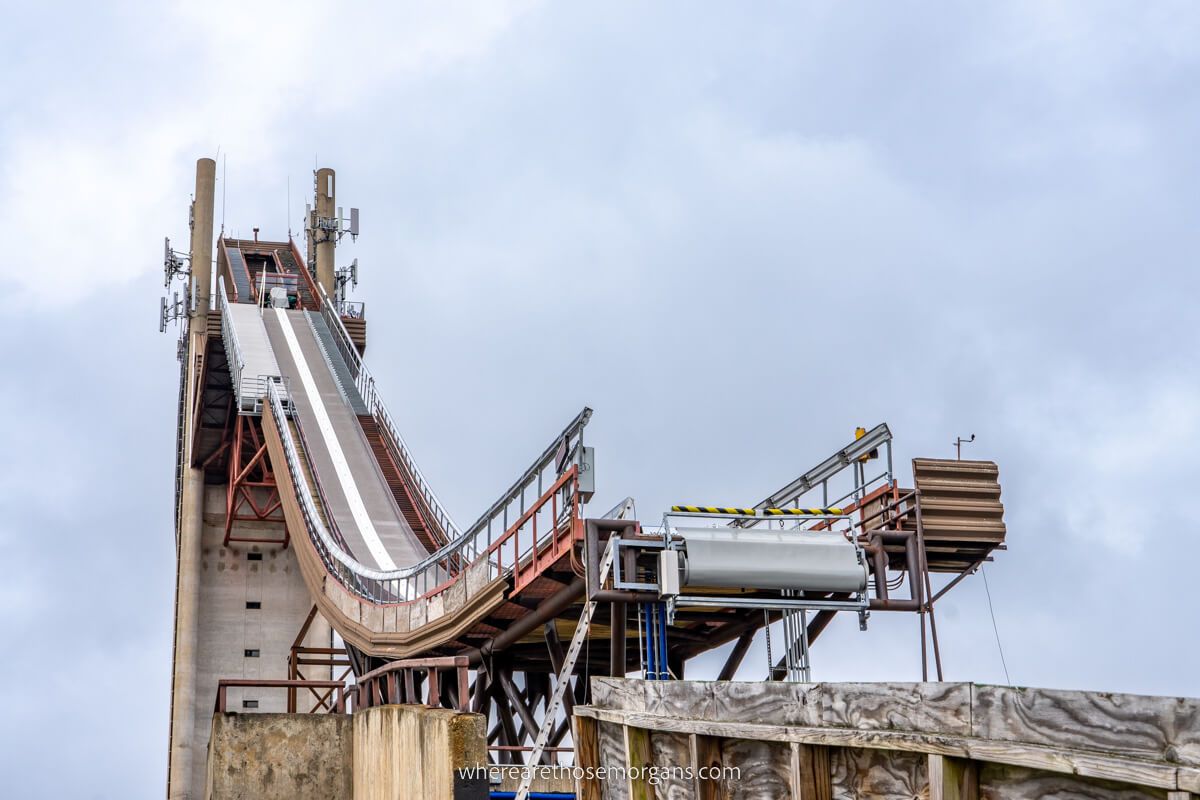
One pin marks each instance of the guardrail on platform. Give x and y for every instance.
(392, 684)
(338, 687)
(248, 390)
(395, 683)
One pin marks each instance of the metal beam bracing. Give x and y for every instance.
(843, 458)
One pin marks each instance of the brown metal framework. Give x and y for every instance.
(337, 687)
(421, 681)
(516, 651)
(251, 493)
(331, 658)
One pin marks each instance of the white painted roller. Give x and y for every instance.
(757, 559)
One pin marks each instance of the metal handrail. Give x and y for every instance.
(437, 570)
(325, 542)
(223, 685)
(365, 384)
(233, 351)
(354, 309)
(395, 683)
(253, 388)
(851, 457)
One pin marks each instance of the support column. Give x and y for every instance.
(202, 236)
(587, 755)
(740, 648)
(617, 660)
(326, 209)
(187, 600)
(811, 778)
(183, 758)
(706, 765)
(953, 778)
(638, 761)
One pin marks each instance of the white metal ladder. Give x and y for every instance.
(564, 679)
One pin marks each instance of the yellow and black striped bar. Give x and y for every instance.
(742, 512)
(803, 512)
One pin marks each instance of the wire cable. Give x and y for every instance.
(995, 629)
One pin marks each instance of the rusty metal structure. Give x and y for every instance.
(388, 600)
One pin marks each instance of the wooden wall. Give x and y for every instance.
(934, 741)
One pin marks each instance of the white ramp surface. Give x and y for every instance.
(258, 357)
(356, 496)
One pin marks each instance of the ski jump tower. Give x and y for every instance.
(318, 570)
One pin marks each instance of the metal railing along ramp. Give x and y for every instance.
(251, 356)
(318, 401)
(354, 493)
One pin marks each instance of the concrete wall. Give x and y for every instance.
(226, 628)
(280, 757)
(414, 753)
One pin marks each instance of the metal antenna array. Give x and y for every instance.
(322, 229)
(175, 310)
(343, 276)
(173, 263)
(174, 267)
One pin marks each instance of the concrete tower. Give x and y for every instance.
(202, 235)
(241, 605)
(191, 500)
(324, 237)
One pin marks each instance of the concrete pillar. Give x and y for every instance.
(183, 755)
(325, 240)
(202, 234)
(281, 757)
(410, 752)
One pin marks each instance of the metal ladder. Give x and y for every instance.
(563, 680)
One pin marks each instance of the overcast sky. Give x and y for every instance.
(735, 231)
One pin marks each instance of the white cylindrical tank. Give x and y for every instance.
(818, 561)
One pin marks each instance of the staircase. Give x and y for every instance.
(428, 534)
(287, 262)
(241, 277)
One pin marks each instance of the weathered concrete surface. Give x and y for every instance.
(225, 628)
(280, 756)
(416, 753)
(184, 750)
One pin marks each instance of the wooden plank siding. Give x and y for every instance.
(908, 741)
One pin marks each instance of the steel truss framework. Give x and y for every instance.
(251, 492)
(515, 655)
(517, 661)
(334, 659)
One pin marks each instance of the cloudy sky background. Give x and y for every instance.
(736, 235)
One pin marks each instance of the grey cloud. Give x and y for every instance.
(980, 222)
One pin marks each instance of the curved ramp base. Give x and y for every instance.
(386, 631)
